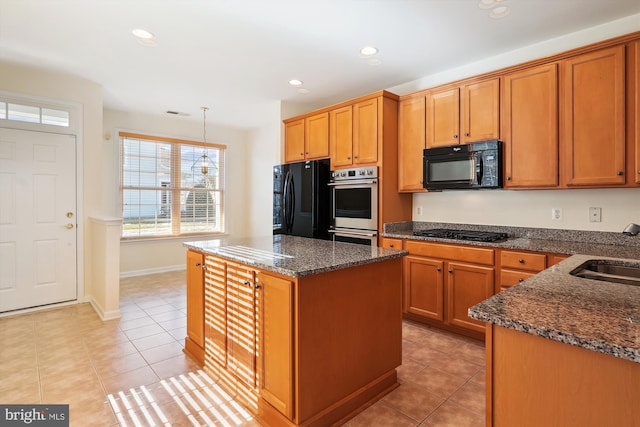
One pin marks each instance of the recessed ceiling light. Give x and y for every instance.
(368, 51)
(141, 33)
(488, 4)
(499, 12)
(295, 82)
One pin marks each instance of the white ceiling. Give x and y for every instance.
(236, 56)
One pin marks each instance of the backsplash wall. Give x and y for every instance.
(531, 208)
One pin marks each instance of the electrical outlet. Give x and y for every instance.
(419, 210)
(556, 214)
(595, 214)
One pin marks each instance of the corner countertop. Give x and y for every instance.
(294, 256)
(553, 304)
(599, 316)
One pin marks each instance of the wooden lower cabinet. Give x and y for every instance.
(194, 341)
(424, 287)
(441, 282)
(534, 381)
(310, 350)
(467, 285)
(276, 342)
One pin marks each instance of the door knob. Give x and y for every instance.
(69, 214)
(68, 226)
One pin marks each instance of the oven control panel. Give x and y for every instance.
(355, 173)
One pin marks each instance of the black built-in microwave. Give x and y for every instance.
(458, 167)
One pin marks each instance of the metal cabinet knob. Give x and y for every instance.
(466, 134)
(521, 261)
(450, 271)
(620, 173)
(455, 136)
(438, 269)
(258, 286)
(520, 280)
(198, 264)
(247, 283)
(508, 178)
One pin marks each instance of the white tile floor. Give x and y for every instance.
(132, 371)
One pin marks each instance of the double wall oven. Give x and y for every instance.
(355, 205)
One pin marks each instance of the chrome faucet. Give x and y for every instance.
(631, 229)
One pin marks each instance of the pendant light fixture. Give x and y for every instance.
(204, 159)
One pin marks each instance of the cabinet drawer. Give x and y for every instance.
(387, 242)
(454, 252)
(510, 277)
(523, 260)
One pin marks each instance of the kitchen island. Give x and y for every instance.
(301, 331)
(563, 350)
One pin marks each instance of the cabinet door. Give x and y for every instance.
(424, 287)
(365, 132)
(276, 342)
(195, 297)
(241, 323)
(531, 127)
(467, 285)
(443, 118)
(317, 136)
(411, 143)
(593, 125)
(633, 97)
(294, 141)
(341, 136)
(480, 114)
(215, 316)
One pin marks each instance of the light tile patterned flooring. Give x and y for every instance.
(132, 371)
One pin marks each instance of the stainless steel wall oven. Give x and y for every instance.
(355, 205)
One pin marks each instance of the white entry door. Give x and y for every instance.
(37, 219)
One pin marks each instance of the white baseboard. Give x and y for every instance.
(104, 315)
(157, 270)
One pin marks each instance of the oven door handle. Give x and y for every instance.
(353, 182)
(353, 233)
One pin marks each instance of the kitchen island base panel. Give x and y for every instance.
(534, 381)
(194, 351)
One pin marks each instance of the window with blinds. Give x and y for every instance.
(165, 191)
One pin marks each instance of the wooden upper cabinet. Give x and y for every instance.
(353, 134)
(341, 136)
(443, 118)
(633, 105)
(530, 127)
(480, 114)
(593, 118)
(317, 136)
(462, 115)
(306, 138)
(411, 142)
(365, 132)
(294, 141)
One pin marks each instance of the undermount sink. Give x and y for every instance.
(609, 271)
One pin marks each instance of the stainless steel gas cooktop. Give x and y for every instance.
(447, 233)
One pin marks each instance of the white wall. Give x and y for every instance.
(138, 257)
(530, 208)
(263, 152)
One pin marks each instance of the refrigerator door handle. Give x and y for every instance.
(289, 201)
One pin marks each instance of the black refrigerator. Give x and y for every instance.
(302, 199)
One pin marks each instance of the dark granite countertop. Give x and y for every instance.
(294, 256)
(596, 315)
(567, 242)
(553, 304)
